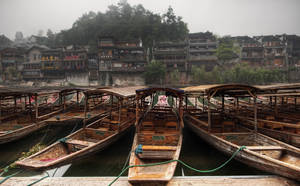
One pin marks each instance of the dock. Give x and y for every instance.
(177, 180)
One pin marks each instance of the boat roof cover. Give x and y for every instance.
(169, 91)
(123, 92)
(222, 89)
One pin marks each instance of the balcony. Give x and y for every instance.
(128, 69)
(8, 60)
(203, 58)
(172, 60)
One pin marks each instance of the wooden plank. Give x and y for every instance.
(80, 142)
(159, 148)
(264, 148)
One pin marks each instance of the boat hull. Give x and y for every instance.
(20, 133)
(245, 156)
(77, 155)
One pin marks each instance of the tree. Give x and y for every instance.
(19, 36)
(155, 72)
(40, 33)
(225, 50)
(125, 22)
(51, 38)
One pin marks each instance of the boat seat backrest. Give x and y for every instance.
(157, 139)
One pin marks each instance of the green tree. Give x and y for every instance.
(175, 77)
(225, 50)
(125, 22)
(155, 72)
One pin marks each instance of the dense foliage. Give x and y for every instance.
(226, 49)
(124, 22)
(240, 73)
(155, 73)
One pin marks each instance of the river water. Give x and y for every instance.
(111, 160)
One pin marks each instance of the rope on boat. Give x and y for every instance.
(39, 179)
(9, 176)
(186, 165)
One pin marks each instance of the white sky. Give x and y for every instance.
(223, 17)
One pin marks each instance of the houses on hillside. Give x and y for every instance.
(120, 62)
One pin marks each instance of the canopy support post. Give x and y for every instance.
(120, 107)
(223, 103)
(36, 107)
(77, 97)
(209, 114)
(0, 110)
(15, 103)
(85, 109)
(255, 115)
(276, 107)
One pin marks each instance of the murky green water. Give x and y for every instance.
(110, 161)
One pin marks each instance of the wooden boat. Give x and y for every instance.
(158, 138)
(25, 118)
(89, 139)
(283, 129)
(286, 132)
(225, 134)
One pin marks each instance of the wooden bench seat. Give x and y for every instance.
(80, 142)
(158, 148)
(264, 148)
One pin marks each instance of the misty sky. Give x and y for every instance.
(223, 17)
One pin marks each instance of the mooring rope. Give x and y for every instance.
(39, 179)
(9, 176)
(186, 165)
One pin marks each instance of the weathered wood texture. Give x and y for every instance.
(191, 181)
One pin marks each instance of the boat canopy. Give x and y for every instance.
(222, 90)
(144, 92)
(123, 92)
